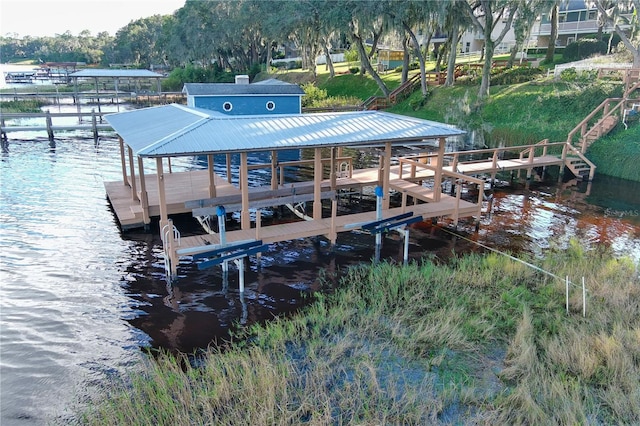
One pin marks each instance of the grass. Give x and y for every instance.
(21, 106)
(481, 340)
(617, 154)
(515, 114)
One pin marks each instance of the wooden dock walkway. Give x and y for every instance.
(44, 122)
(185, 188)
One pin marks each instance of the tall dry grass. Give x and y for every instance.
(483, 340)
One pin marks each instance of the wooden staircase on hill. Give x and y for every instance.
(397, 95)
(602, 120)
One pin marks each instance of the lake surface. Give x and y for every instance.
(79, 300)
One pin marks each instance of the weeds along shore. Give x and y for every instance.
(481, 340)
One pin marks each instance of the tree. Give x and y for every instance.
(485, 15)
(411, 15)
(367, 20)
(553, 37)
(528, 12)
(624, 12)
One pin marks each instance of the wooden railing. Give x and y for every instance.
(591, 124)
(93, 120)
(405, 89)
(344, 166)
(375, 103)
(458, 178)
(397, 95)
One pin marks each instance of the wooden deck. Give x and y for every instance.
(185, 187)
(485, 167)
(304, 229)
(180, 188)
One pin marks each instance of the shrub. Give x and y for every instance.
(313, 95)
(516, 75)
(572, 75)
(191, 74)
(583, 48)
(354, 70)
(294, 65)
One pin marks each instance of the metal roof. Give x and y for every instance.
(267, 87)
(115, 73)
(176, 130)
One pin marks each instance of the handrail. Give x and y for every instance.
(582, 125)
(408, 85)
(592, 167)
(10, 115)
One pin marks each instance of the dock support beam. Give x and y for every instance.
(245, 218)
(317, 184)
(212, 176)
(379, 206)
(385, 175)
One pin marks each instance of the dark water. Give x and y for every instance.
(78, 299)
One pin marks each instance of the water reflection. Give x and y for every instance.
(78, 299)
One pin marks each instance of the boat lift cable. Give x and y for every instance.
(530, 265)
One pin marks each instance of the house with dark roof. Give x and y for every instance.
(243, 98)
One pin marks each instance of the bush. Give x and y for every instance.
(573, 76)
(516, 75)
(354, 70)
(313, 95)
(191, 74)
(583, 48)
(292, 65)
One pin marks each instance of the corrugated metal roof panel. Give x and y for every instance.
(174, 130)
(115, 73)
(144, 127)
(217, 89)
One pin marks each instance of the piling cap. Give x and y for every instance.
(220, 211)
(379, 192)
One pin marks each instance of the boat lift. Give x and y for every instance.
(224, 253)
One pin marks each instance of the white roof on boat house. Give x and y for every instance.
(176, 130)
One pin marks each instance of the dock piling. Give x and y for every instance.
(49, 126)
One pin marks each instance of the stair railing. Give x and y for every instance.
(583, 128)
(579, 154)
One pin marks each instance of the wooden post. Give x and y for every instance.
(49, 126)
(98, 96)
(94, 125)
(274, 169)
(115, 83)
(132, 172)
(144, 197)
(245, 218)
(437, 183)
(332, 173)
(76, 98)
(123, 161)
(164, 215)
(385, 176)
(3, 134)
(229, 168)
(333, 235)
(317, 184)
(212, 176)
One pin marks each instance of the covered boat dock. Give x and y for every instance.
(158, 134)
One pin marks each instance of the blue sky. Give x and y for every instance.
(50, 17)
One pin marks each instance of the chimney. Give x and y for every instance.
(242, 79)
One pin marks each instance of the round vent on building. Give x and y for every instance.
(271, 105)
(227, 106)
